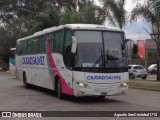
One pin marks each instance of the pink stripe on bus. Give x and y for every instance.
(65, 88)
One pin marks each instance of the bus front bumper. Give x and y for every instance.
(101, 90)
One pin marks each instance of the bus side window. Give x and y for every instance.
(68, 56)
(19, 48)
(24, 47)
(59, 41)
(68, 40)
(42, 44)
(35, 45)
(29, 47)
(51, 39)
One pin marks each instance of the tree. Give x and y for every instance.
(152, 54)
(63, 5)
(6, 42)
(90, 14)
(21, 18)
(69, 16)
(48, 18)
(150, 11)
(115, 12)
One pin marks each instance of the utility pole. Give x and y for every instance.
(140, 35)
(146, 56)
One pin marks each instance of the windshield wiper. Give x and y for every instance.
(99, 58)
(111, 57)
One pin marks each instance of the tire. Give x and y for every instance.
(101, 97)
(144, 77)
(26, 85)
(153, 72)
(59, 90)
(131, 76)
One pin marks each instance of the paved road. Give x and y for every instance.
(14, 97)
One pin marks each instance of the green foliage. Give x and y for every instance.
(149, 11)
(115, 12)
(152, 54)
(135, 52)
(45, 20)
(90, 14)
(135, 49)
(135, 56)
(6, 42)
(21, 18)
(70, 16)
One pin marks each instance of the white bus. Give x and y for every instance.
(75, 59)
(12, 66)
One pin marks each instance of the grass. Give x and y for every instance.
(145, 84)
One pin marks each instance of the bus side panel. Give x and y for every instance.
(12, 67)
(41, 74)
(37, 70)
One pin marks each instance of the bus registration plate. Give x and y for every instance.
(103, 93)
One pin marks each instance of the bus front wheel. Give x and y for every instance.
(101, 97)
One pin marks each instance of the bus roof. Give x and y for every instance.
(91, 26)
(13, 49)
(73, 27)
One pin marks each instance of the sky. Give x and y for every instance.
(134, 30)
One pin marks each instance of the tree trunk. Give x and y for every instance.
(156, 37)
(158, 61)
(158, 67)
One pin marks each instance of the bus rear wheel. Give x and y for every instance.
(26, 85)
(59, 90)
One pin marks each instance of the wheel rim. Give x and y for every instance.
(131, 76)
(152, 72)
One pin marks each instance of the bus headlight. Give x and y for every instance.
(80, 84)
(124, 84)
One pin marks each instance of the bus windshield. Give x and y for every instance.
(100, 49)
(12, 67)
(12, 53)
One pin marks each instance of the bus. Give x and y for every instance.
(12, 66)
(75, 59)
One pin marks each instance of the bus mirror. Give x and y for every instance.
(74, 44)
(128, 40)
